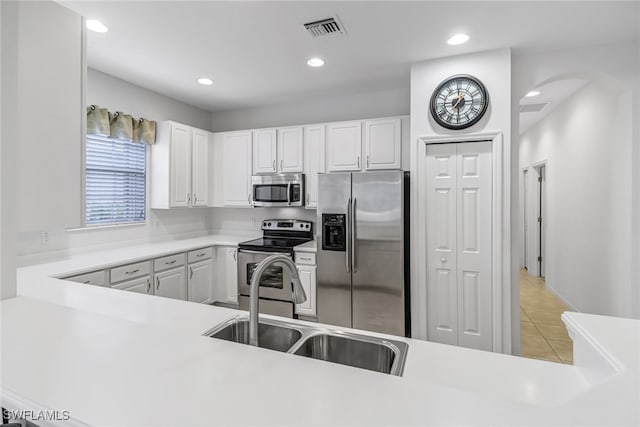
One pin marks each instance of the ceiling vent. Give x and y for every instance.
(325, 27)
(532, 108)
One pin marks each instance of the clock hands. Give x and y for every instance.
(460, 98)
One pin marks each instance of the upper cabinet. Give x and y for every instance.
(236, 169)
(344, 146)
(290, 150)
(314, 147)
(180, 170)
(382, 144)
(278, 150)
(265, 159)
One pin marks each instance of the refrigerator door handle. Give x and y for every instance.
(353, 235)
(347, 260)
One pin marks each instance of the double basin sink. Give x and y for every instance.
(346, 348)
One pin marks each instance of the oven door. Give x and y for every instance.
(275, 282)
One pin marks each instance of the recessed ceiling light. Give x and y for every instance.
(458, 39)
(533, 93)
(96, 26)
(315, 62)
(205, 81)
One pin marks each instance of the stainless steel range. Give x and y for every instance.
(279, 236)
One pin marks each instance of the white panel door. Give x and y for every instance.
(231, 273)
(308, 281)
(314, 145)
(474, 244)
(459, 244)
(199, 281)
(290, 150)
(264, 151)
(442, 290)
(383, 144)
(180, 165)
(141, 285)
(200, 168)
(171, 284)
(344, 146)
(236, 153)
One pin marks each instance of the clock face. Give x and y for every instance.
(459, 102)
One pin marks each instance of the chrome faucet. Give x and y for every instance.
(298, 292)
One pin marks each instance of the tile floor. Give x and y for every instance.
(543, 334)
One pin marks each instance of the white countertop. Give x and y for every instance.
(119, 358)
(306, 247)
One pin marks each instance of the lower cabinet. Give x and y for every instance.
(307, 275)
(171, 284)
(231, 275)
(141, 285)
(199, 281)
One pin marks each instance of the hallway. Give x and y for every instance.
(543, 333)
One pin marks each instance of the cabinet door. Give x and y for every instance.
(171, 284)
(140, 285)
(236, 151)
(308, 280)
(290, 150)
(199, 282)
(344, 146)
(231, 273)
(382, 141)
(264, 151)
(180, 165)
(314, 144)
(200, 168)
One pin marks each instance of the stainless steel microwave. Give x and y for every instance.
(278, 190)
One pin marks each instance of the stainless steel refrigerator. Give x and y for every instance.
(362, 276)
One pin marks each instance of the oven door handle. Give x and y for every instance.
(247, 251)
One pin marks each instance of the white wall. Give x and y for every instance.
(617, 65)
(249, 220)
(493, 68)
(317, 110)
(118, 95)
(587, 145)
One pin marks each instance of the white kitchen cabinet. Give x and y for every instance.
(199, 281)
(171, 284)
(382, 144)
(265, 157)
(307, 275)
(180, 171)
(314, 148)
(141, 285)
(231, 276)
(344, 147)
(97, 278)
(290, 150)
(236, 154)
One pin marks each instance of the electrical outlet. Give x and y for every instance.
(44, 237)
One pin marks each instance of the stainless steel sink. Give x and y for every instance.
(271, 336)
(346, 348)
(355, 350)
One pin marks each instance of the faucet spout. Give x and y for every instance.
(299, 296)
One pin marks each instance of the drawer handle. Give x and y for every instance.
(170, 262)
(132, 271)
(200, 255)
(88, 282)
(305, 258)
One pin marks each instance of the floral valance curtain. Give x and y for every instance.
(119, 125)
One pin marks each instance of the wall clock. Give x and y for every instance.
(459, 102)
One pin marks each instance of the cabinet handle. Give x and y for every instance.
(281, 165)
(358, 162)
(200, 255)
(195, 199)
(148, 285)
(170, 262)
(88, 282)
(274, 165)
(132, 271)
(367, 161)
(190, 273)
(157, 283)
(188, 198)
(234, 255)
(307, 198)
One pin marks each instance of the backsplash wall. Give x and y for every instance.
(248, 220)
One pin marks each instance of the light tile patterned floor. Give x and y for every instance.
(544, 335)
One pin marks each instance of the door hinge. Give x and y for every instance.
(539, 179)
(539, 259)
(540, 219)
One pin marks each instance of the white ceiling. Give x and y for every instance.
(256, 51)
(552, 94)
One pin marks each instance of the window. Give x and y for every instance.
(115, 181)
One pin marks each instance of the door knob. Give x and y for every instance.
(443, 259)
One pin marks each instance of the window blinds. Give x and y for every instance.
(115, 181)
